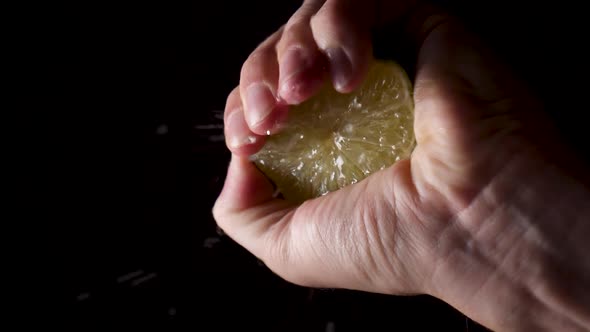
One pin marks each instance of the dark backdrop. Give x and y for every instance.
(144, 159)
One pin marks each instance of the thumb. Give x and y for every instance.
(238, 209)
(471, 111)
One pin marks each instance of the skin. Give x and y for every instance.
(489, 214)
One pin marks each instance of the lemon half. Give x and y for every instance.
(333, 140)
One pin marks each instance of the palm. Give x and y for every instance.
(467, 131)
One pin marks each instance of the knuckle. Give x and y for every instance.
(330, 28)
(221, 217)
(257, 59)
(333, 18)
(303, 14)
(232, 102)
(231, 98)
(329, 18)
(217, 213)
(296, 23)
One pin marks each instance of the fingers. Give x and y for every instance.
(238, 136)
(301, 64)
(341, 30)
(291, 65)
(258, 88)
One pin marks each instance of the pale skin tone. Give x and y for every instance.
(489, 214)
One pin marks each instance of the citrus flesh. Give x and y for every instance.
(333, 140)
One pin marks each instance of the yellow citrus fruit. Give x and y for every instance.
(333, 140)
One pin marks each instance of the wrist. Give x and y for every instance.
(556, 209)
(522, 264)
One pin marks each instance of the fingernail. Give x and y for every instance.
(292, 90)
(292, 64)
(260, 102)
(237, 131)
(340, 67)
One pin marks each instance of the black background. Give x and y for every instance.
(138, 160)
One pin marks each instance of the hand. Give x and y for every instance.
(480, 216)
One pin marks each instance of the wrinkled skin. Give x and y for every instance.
(484, 215)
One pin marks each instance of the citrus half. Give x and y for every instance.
(333, 140)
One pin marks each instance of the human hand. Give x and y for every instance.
(479, 216)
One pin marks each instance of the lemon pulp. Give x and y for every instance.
(333, 140)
